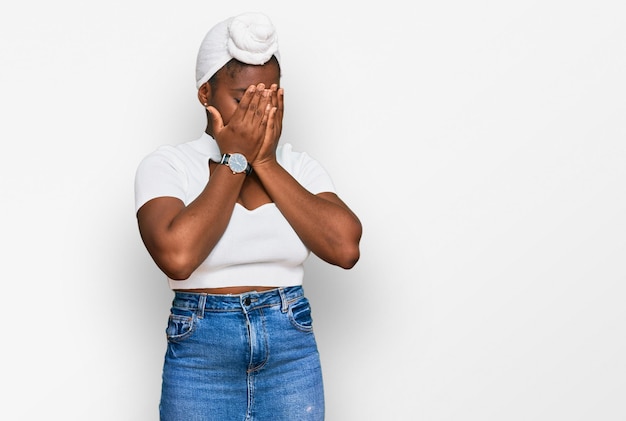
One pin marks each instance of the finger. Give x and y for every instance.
(266, 115)
(269, 137)
(264, 102)
(271, 120)
(216, 119)
(253, 107)
(280, 98)
(273, 94)
(280, 108)
(247, 97)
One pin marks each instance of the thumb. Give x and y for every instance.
(217, 124)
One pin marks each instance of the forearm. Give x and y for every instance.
(323, 222)
(191, 232)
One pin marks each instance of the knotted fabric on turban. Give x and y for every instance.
(249, 37)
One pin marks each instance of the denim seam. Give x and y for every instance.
(258, 367)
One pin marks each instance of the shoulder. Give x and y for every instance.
(289, 158)
(305, 169)
(179, 156)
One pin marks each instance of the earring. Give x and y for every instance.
(206, 105)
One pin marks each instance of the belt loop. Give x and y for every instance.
(283, 300)
(201, 304)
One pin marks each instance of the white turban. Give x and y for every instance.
(249, 37)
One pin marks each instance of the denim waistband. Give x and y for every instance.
(237, 302)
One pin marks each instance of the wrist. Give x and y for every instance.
(237, 163)
(265, 165)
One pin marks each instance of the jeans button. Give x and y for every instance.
(247, 301)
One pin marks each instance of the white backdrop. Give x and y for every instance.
(482, 144)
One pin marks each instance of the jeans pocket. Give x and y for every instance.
(180, 324)
(300, 315)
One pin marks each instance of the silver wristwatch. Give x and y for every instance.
(237, 163)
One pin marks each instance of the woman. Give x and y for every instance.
(230, 218)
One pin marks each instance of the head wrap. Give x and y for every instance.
(249, 37)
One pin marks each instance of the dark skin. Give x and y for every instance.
(245, 112)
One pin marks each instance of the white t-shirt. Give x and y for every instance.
(259, 247)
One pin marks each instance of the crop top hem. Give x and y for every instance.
(251, 274)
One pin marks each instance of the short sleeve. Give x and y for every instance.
(159, 175)
(306, 170)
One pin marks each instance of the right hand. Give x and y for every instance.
(245, 131)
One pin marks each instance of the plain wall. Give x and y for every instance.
(482, 144)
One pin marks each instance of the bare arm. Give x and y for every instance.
(323, 222)
(180, 238)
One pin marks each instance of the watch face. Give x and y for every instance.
(237, 162)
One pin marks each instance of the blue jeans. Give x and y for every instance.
(242, 357)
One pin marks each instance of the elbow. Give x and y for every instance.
(350, 261)
(178, 267)
(344, 256)
(178, 275)
(349, 253)
(349, 258)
